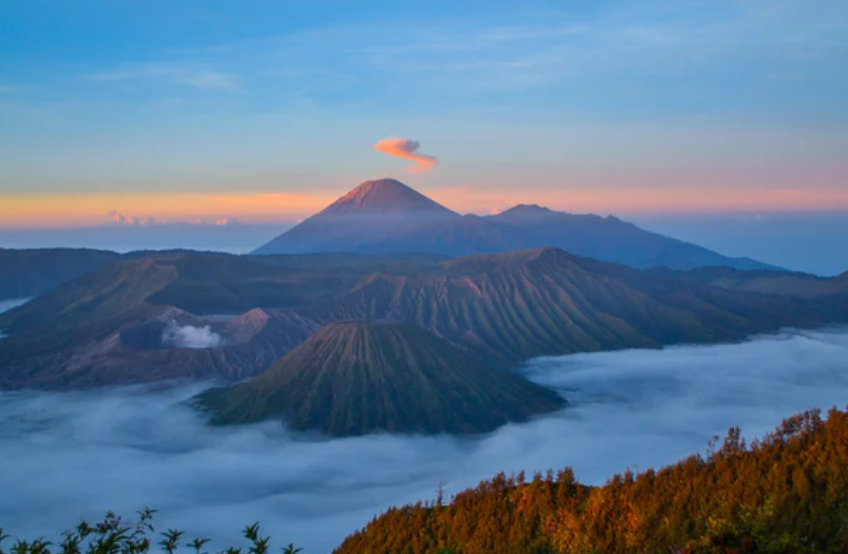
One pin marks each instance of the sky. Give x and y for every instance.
(266, 111)
(73, 455)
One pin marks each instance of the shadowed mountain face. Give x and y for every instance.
(30, 272)
(828, 296)
(386, 216)
(361, 377)
(800, 285)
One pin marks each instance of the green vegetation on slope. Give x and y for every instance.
(362, 377)
(784, 494)
(83, 310)
(113, 535)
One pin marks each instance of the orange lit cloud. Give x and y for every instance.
(583, 195)
(78, 210)
(408, 150)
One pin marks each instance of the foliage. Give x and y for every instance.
(113, 536)
(787, 493)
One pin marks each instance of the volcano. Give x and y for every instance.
(355, 378)
(369, 214)
(387, 217)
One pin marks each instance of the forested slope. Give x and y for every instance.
(787, 493)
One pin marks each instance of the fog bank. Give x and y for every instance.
(80, 454)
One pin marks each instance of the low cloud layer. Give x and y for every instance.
(190, 336)
(408, 150)
(79, 454)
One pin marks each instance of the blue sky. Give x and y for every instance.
(564, 102)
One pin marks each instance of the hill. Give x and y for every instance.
(362, 377)
(386, 216)
(30, 272)
(782, 283)
(786, 493)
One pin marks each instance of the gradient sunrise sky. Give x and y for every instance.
(267, 110)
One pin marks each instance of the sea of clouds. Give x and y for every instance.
(69, 455)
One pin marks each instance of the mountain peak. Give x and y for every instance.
(526, 212)
(528, 209)
(385, 196)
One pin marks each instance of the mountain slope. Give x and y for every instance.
(611, 239)
(361, 377)
(108, 327)
(384, 196)
(782, 283)
(515, 306)
(366, 215)
(785, 494)
(30, 272)
(386, 216)
(463, 236)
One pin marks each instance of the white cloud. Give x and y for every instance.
(118, 219)
(79, 454)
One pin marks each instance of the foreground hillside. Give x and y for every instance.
(787, 493)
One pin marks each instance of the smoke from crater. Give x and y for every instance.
(189, 336)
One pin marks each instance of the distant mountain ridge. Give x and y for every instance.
(386, 216)
(107, 327)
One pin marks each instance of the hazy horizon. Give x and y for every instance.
(797, 241)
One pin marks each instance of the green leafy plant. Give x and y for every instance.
(112, 535)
